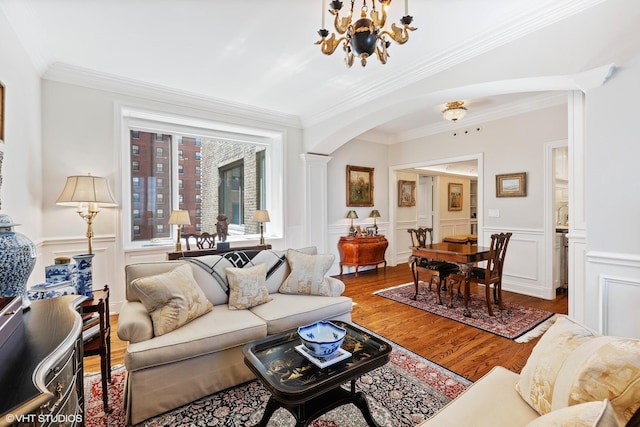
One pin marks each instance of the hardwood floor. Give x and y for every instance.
(465, 350)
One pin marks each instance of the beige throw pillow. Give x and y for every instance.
(247, 286)
(172, 299)
(308, 274)
(571, 364)
(591, 414)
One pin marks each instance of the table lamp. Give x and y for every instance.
(375, 214)
(179, 218)
(261, 217)
(351, 215)
(87, 193)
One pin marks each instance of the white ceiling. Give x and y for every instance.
(261, 53)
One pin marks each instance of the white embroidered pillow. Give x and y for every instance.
(572, 364)
(308, 274)
(247, 286)
(172, 299)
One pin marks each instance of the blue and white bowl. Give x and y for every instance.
(322, 339)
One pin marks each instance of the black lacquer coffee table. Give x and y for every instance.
(303, 388)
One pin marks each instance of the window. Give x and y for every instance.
(205, 175)
(135, 149)
(135, 134)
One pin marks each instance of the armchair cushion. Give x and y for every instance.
(590, 414)
(308, 274)
(572, 364)
(172, 298)
(247, 287)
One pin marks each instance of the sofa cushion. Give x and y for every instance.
(134, 322)
(172, 298)
(490, 401)
(590, 414)
(218, 330)
(572, 364)
(308, 273)
(247, 288)
(290, 311)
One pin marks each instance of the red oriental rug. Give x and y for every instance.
(517, 322)
(404, 392)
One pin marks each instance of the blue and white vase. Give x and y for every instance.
(83, 275)
(17, 258)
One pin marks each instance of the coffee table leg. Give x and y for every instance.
(271, 407)
(360, 401)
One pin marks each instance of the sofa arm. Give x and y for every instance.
(134, 323)
(336, 286)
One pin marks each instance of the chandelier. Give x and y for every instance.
(455, 111)
(365, 36)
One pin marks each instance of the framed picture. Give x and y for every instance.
(511, 185)
(359, 186)
(455, 196)
(1, 112)
(406, 193)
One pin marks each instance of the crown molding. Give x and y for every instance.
(65, 73)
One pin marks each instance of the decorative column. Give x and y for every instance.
(315, 200)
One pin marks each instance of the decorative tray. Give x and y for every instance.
(323, 362)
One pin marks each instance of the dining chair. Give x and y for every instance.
(437, 271)
(203, 241)
(491, 275)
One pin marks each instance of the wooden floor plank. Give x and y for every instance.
(463, 349)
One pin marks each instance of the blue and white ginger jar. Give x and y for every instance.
(17, 258)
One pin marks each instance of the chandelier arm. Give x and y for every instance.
(399, 35)
(341, 24)
(329, 45)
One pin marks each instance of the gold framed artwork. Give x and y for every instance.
(455, 196)
(1, 112)
(511, 185)
(406, 193)
(359, 186)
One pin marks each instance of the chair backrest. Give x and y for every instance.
(203, 241)
(419, 236)
(497, 252)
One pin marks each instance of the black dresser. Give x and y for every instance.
(41, 378)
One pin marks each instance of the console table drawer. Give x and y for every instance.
(60, 380)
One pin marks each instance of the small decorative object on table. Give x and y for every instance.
(322, 339)
(17, 258)
(222, 228)
(83, 275)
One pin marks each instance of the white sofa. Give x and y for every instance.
(204, 355)
(573, 377)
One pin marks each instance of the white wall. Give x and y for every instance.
(21, 189)
(612, 252)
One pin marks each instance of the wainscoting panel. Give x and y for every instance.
(524, 267)
(612, 293)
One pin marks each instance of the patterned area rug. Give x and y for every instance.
(404, 392)
(517, 322)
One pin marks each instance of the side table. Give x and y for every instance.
(99, 344)
(360, 251)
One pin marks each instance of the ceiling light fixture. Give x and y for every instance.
(360, 38)
(454, 111)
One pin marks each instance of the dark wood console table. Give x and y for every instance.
(214, 251)
(360, 251)
(41, 366)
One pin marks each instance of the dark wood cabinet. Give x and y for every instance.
(360, 251)
(41, 366)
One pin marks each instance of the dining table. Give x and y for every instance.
(463, 255)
